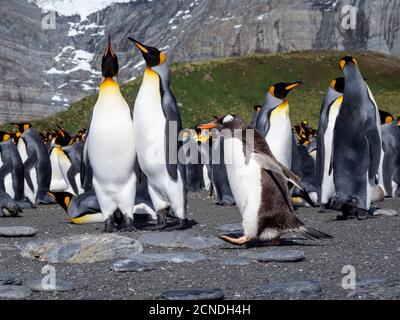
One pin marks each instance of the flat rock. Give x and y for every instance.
(7, 247)
(8, 278)
(171, 257)
(10, 232)
(193, 294)
(14, 292)
(59, 286)
(88, 248)
(231, 227)
(236, 261)
(132, 266)
(386, 212)
(293, 287)
(366, 282)
(277, 256)
(179, 239)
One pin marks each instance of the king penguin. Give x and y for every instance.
(259, 185)
(11, 170)
(157, 123)
(357, 145)
(37, 166)
(109, 151)
(274, 123)
(329, 112)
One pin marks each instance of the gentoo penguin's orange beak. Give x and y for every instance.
(207, 126)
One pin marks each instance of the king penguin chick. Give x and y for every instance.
(274, 123)
(259, 185)
(109, 152)
(157, 123)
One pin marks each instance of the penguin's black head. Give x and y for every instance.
(281, 90)
(338, 84)
(62, 198)
(80, 135)
(151, 55)
(22, 127)
(62, 138)
(4, 136)
(386, 117)
(257, 108)
(345, 61)
(109, 63)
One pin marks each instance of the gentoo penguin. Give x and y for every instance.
(274, 122)
(357, 145)
(254, 117)
(11, 170)
(157, 123)
(8, 207)
(259, 184)
(329, 112)
(109, 151)
(37, 166)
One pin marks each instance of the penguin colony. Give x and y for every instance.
(129, 161)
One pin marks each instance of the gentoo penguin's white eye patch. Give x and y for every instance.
(228, 118)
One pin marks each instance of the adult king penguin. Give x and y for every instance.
(273, 121)
(357, 145)
(329, 112)
(259, 185)
(37, 166)
(110, 149)
(157, 122)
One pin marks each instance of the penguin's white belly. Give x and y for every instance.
(246, 185)
(149, 128)
(206, 178)
(8, 182)
(279, 139)
(58, 183)
(28, 192)
(111, 146)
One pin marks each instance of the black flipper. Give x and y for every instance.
(30, 164)
(86, 169)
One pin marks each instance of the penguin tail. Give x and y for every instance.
(310, 233)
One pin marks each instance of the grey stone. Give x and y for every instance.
(193, 294)
(231, 227)
(294, 287)
(14, 292)
(60, 286)
(386, 212)
(88, 248)
(10, 232)
(7, 247)
(236, 261)
(132, 266)
(8, 278)
(179, 239)
(171, 257)
(366, 282)
(277, 256)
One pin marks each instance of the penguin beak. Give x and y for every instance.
(207, 126)
(293, 85)
(109, 50)
(143, 49)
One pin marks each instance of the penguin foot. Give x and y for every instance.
(182, 224)
(236, 241)
(127, 225)
(161, 222)
(109, 226)
(364, 215)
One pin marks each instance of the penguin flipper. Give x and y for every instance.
(373, 137)
(86, 170)
(29, 164)
(71, 179)
(270, 164)
(4, 170)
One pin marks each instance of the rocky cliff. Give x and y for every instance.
(44, 71)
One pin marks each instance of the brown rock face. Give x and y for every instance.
(44, 71)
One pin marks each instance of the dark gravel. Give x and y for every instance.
(372, 247)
